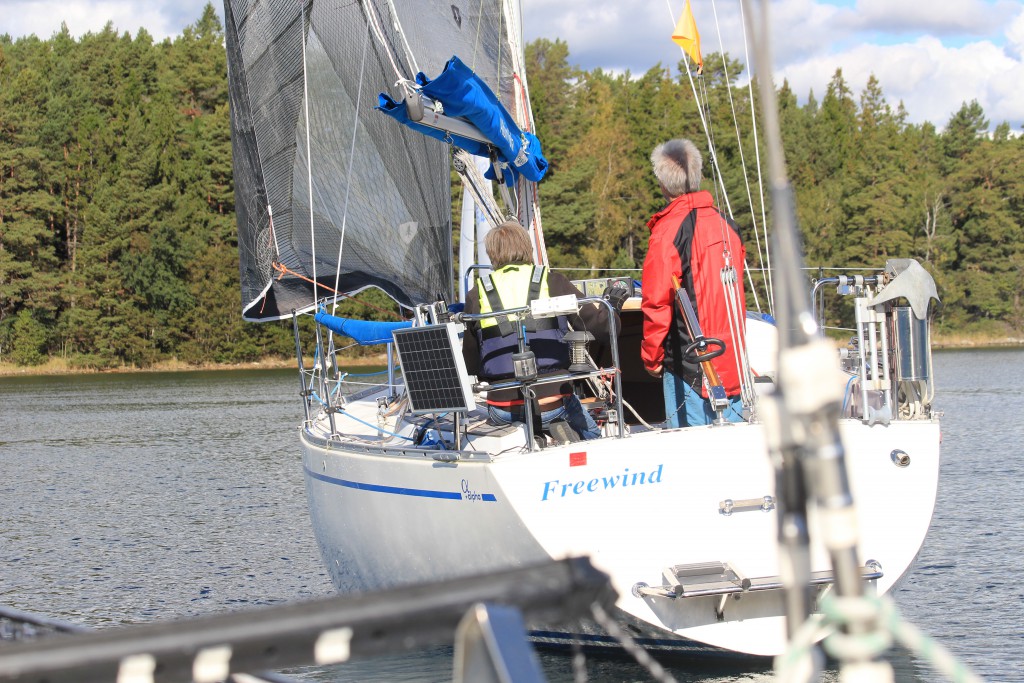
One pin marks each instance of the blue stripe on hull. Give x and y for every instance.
(396, 490)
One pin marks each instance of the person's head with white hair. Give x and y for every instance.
(677, 166)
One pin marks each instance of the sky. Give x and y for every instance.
(933, 56)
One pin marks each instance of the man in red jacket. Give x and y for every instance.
(692, 242)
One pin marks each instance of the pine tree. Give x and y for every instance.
(29, 206)
(986, 205)
(879, 213)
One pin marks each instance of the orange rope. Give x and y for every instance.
(283, 270)
(286, 271)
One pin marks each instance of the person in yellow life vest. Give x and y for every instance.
(488, 344)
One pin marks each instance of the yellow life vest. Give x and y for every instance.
(513, 284)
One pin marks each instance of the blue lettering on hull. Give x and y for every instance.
(559, 489)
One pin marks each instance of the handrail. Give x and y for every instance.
(470, 269)
(818, 304)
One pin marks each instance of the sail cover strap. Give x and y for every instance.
(463, 94)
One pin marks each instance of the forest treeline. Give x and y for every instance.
(117, 232)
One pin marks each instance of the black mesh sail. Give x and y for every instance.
(319, 172)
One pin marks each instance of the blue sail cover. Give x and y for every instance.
(464, 95)
(364, 332)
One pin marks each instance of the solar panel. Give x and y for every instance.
(435, 374)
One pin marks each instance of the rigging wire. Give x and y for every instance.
(309, 157)
(612, 628)
(373, 21)
(739, 146)
(474, 182)
(351, 161)
(736, 309)
(702, 99)
(401, 34)
(766, 263)
(736, 316)
(736, 312)
(530, 216)
(704, 111)
(476, 35)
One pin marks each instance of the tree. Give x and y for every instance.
(29, 255)
(831, 136)
(117, 234)
(29, 339)
(552, 97)
(987, 206)
(877, 204)
(963, 134)
(613, 195)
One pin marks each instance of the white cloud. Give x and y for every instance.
(810, 40)
(1015, 36)
(956, 50)
(612, 35)
(43, 17)
(932, 80)
(803, 28)
(943, 17)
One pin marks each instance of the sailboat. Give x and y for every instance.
(346, 124)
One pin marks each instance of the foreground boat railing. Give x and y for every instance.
(18, 625)
(483, 616)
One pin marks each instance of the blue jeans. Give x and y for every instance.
(571, 411)
(685, 407)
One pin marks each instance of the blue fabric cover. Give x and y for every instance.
(758, 315)
(464, 95)
(364, 332)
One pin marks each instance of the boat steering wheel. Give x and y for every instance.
(696, 352)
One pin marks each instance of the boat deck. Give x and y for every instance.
(363, 421)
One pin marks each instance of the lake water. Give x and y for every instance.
(146, 497)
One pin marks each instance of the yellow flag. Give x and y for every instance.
(687, 37)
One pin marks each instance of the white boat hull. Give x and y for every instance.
(386, 516)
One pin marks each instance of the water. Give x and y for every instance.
(147, 497)
(966, 588)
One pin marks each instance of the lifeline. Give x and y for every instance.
(556, 489)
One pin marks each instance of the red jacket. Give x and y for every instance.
(693, 241)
